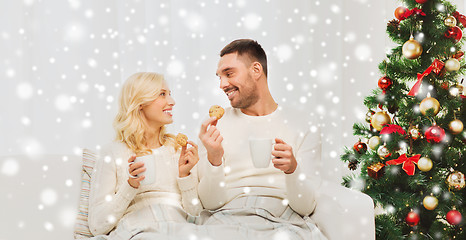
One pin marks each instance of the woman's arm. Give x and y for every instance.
(187, 178)
(189, 196)
(106, 204)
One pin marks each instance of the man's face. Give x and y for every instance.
(236, 80)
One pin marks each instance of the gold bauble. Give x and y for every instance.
(414, 132)
(456, 181)
(424, 164)
(383, 152)
(379, 119)
(430, 202)
(456, 126)
(450, 21)
(412, 49)
(374, 142)
(429, 103)
(452, 64)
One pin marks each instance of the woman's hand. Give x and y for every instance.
(188, 159)
(134, 170)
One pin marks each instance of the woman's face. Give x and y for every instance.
(159, 111)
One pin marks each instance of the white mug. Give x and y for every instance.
(149, 164)
(261, 151)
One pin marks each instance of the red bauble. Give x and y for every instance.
(360, 147)
(455, 33)
(435, 134)
(385, 83)
(454, 217)
(412, 219)
(421, 1)
(400, 12)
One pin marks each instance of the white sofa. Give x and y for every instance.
(40, 201)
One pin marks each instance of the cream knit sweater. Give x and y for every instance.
(237, 176)
(111, 197)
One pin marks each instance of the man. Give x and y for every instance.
(256, 203)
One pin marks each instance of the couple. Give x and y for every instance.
(224, 196)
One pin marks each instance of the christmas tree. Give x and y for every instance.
(411, 151)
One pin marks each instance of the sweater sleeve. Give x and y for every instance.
(212, 185)
(303, 183)
(106, 204)
(189, 194)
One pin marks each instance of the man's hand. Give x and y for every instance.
(188, 159)
(212, 140)
(284, 158)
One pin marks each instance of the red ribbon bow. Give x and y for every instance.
(413, 11)
(435, 67)
(460, 18)
(408, 163)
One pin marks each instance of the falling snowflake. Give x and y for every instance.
(48, 196)
(10, 167)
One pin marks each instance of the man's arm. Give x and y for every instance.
(301, 168)
(303, 184)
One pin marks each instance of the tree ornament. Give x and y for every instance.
(383, 152)
(379, 119)
(450, 21)
(452, 65)
(353, 165)
(360, 147)
(430, 202)
(412, 49)
(456, 126)
(421, 1)
(414, 132)
(456, 90)
(374, 142)
(454, 217)
(408, 163)
(435, 134)
(456, 180)
(392, 128)
(385, 83)
(454, 33)
(429, 103)
(424, 164)
(412, 219)
(369, 115)
(400, 12)
(376, 170)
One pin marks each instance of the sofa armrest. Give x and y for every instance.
(342, 213)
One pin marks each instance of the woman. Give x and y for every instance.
(118, 204)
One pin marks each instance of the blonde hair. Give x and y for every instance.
(129, 124)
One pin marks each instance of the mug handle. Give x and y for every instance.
(129, 174)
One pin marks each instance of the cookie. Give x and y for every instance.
(181, 139)
(216, 111)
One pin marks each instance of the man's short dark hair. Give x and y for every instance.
(251, 48)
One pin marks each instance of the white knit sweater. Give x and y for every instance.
(111, 197)
(237, 176)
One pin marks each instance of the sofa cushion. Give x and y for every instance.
(81, 228)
